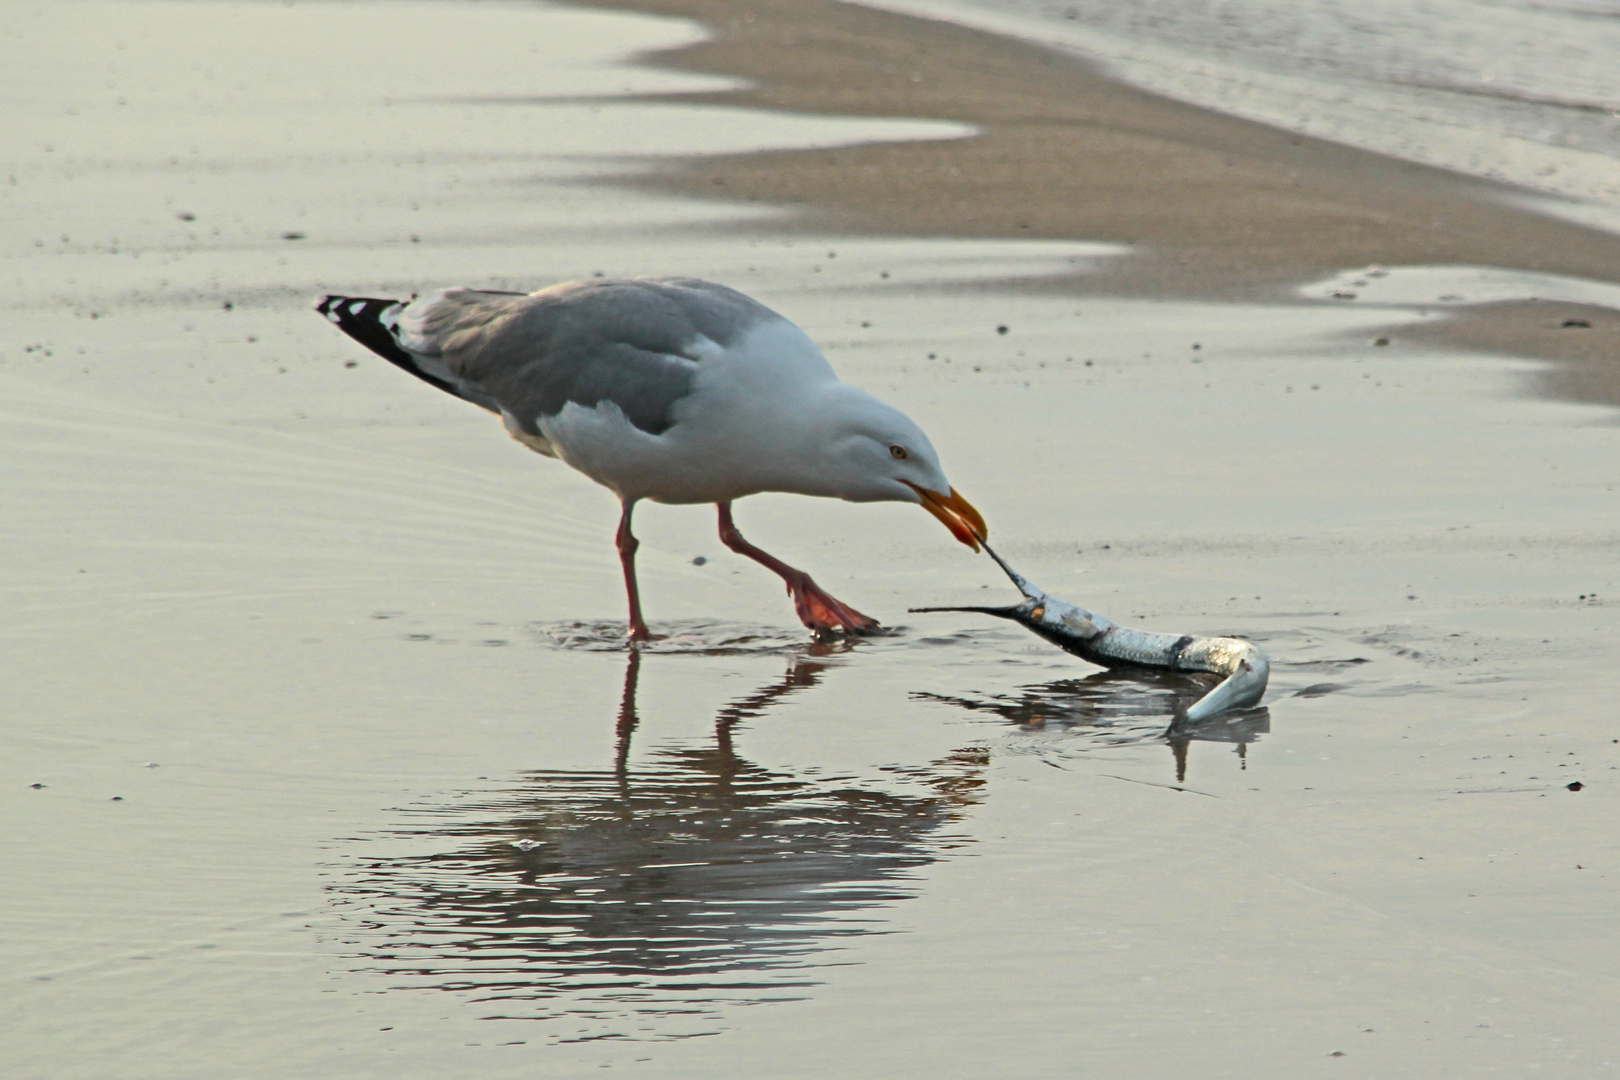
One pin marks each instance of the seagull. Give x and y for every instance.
(675, 390)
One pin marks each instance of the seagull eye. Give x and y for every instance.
(898, 453)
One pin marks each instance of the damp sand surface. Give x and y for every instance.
(323, 756)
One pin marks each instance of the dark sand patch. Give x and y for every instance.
(1582, 339)
(1217, 206)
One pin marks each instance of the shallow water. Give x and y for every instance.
(1517, 90)
(322, 757)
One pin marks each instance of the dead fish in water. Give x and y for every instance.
(1104, 642)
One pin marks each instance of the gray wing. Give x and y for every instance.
(636, 343)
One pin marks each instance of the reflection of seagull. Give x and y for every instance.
(659, 888)
(669, 389)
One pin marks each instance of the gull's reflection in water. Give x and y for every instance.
(1114, 708)
(632, 901)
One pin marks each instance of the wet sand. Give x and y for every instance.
(1214, 205)
(1583, 340)
(323, 755)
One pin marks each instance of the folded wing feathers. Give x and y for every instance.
(634, 343)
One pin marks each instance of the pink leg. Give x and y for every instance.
(627, 559)
(817, 609)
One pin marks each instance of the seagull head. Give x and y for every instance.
(876, 453)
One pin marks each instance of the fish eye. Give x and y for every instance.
(898, 453)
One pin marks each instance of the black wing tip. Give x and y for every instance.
(341, 309)
(329, 305)
(361, 317)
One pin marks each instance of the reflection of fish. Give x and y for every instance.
(641, 891)
(1111, 708)
(1092, 637)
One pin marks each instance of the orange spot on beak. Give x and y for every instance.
(955, 513)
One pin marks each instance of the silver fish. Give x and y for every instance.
(1101, 641)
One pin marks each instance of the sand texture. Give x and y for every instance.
(1583, 339)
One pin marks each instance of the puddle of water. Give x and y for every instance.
(646, 900)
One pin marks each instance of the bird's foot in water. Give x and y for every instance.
(642, 637)
(825, 613)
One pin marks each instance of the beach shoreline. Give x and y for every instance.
(1215, 207)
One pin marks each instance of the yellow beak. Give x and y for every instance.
(955, 513)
